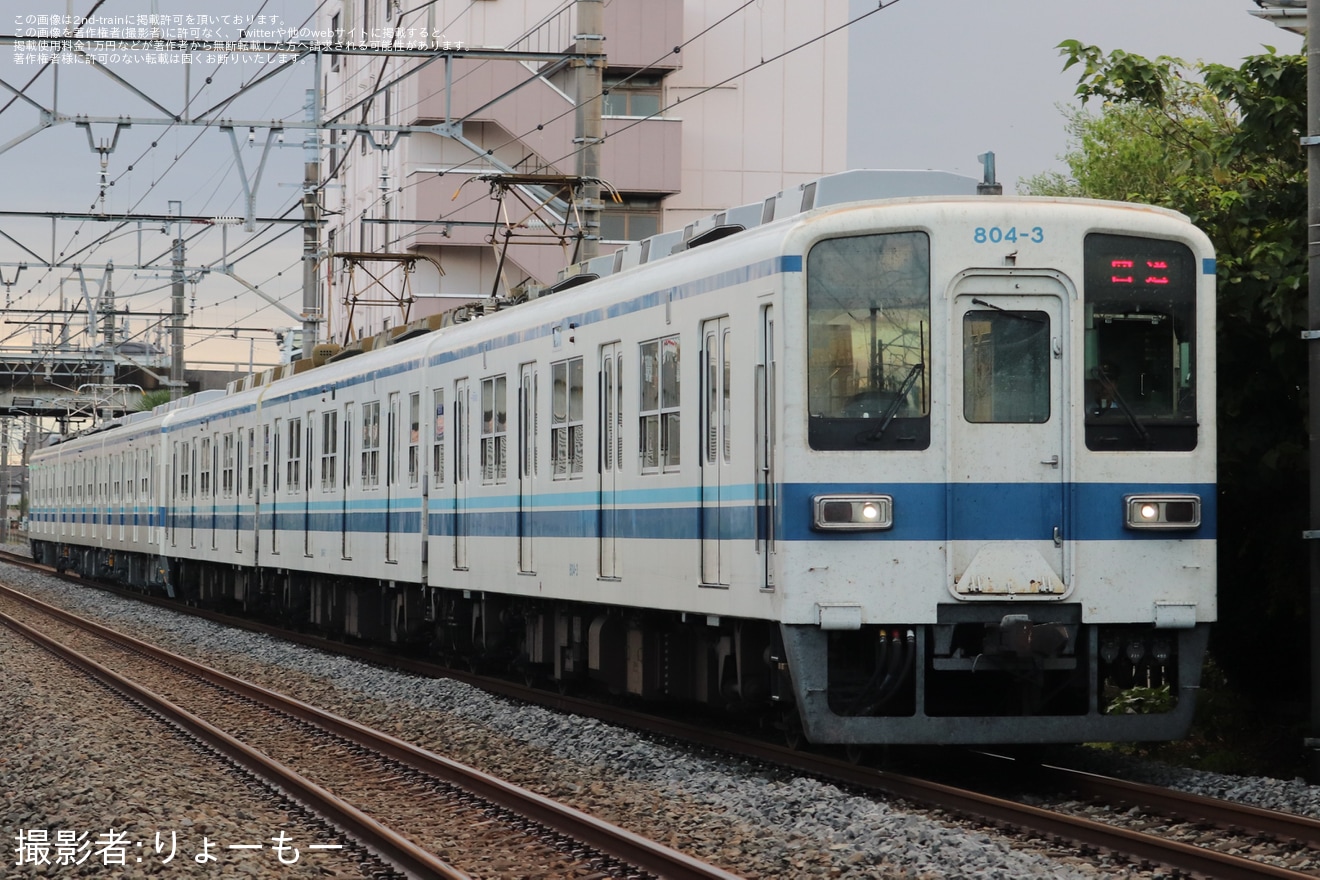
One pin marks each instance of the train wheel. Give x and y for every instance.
(856, 753)
(794, 736)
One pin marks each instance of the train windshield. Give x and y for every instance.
(868, 342)
(1140, 317)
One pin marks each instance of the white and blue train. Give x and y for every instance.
(934, 469)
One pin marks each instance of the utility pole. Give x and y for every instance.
(177, 383)
(589, 130)
(311, 307)
(1312, 143)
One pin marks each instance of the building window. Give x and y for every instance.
(637, 95)
(659, 422)
(633, 220)
(566, 419)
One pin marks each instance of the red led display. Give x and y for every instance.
(1139, 272)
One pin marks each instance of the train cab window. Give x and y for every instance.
(868, 342)
(1140, 354)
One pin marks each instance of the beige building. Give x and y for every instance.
(721, 122)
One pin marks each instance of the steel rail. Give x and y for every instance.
(996, 811)
(400, 852)
(620, 843)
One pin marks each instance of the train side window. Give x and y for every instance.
(438, 437)
(293, 458)
(414, 438)
(252, 455)
(868, 342)
(494, 429)
(658, 419)
(370, 469)
(204, 481)
(265, 459)
(566, 426)
(329, 449)
(227, 464)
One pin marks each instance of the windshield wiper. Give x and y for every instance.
(977, 301)
(898, 401)
(1112, 390)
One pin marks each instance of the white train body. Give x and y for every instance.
(911, 470)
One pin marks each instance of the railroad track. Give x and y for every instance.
(407, 803)
(1283, 832)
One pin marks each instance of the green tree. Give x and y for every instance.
(152, 399)
(1221, 144)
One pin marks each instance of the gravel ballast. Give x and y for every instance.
(746, 819)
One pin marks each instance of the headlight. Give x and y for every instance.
(1162, 511)
(853, 512)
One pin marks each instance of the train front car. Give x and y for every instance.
(998, 465)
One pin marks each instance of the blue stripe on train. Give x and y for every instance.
(922, 512)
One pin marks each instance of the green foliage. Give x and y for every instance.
(1221, 145)
(1141, 701)
(152, 399)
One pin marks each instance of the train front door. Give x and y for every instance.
(1008, 426)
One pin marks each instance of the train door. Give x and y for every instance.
(237, 492)
(1008, 437)
(275, 488)
(461, 407)
(611, 457)
(528, 401)
(308, 469)
(716, 463)
(345, 530)
(391, 474)
(765, 449)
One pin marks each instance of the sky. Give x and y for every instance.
(935, 83)
(938, 82)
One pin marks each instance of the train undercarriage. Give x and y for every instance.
(983, 673)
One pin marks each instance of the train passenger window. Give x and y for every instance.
(329, 449)
(414, 437)
(659, 444)
(566, 425)
(227, 465)
(494, 429)
(1006, 367)
(265, 458)
(252, 454)
(293, 461)
(438, 438)
(868, 342)
(370, 469)
(204, 481)
(1140, 323)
